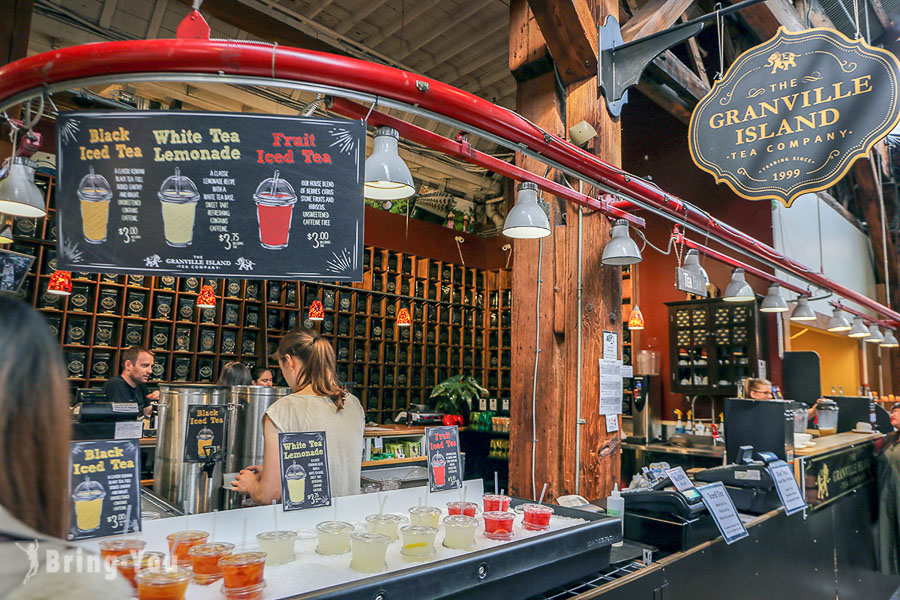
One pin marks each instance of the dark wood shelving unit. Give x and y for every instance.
(461, 321)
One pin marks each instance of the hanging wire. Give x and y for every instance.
(856, 17)
(720, 31)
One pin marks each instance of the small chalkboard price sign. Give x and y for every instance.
(205, 433)
(304, 470)
(444, 463)
(104, 487)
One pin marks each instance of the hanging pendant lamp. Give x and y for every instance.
(317, 311)
(6, 234)
(526, 220)
(773, 302)
(207, 297)
(621, 249)
(738, 289)
(636, 319)
(60, 283)
(803, 312)
(875, 336)
(19, 196)
(403, 318)
(859, 329)
(838, 321)
(890, 340)
(692, 265)
(387, 176)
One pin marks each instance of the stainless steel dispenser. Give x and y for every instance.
(192, 487)
(244, 435)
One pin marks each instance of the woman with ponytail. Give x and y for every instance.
(319, 403)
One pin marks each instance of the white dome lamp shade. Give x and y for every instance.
(859, 329)
(773, 302)
(838, 321)
(738, 289)
(875, 336)
(621, 249)
(803, 312)
(19, 196)
(890, 340)
(526, 220)
(692, 265)
(387, 176)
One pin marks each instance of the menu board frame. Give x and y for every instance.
(113, 469)
(204, 430)
(310, 450)
(444, 460)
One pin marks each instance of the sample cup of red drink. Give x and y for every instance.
(164, 583)
(462, 508)
(181, 542)
(112, 549)
(498, 525)
(275, 199)
(495, 502)
(205, 560)
(537, 516)
(438, 469)
(129, 564)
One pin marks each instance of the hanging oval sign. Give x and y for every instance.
(792, 114)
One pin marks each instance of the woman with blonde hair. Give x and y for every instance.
(34, 480)
(319, 403)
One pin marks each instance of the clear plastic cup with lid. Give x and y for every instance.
(275, 199)
(536, 517)
(119, 546)
(334, 537)
(295, 475)
(94, 196)
(418, 542)
(88, 497)
(278, 545)
(429, 516)
(459, 532)
(162, 583)
(369, 550)
(128, 565)
(178, 196)
(243, 569)
(205, 560)
(386, 524)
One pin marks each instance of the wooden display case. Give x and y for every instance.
(461, 322)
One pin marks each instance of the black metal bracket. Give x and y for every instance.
(619, 65)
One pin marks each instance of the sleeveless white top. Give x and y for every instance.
(343, 433)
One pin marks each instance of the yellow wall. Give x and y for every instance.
(838, 357)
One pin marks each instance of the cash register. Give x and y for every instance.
(95, 417)
(747, 481)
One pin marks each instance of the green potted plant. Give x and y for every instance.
(455, 394)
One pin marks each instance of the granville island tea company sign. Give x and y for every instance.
(792, 114)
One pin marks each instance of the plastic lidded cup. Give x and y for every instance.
(129, 564)
(110, 549)
(243, 569)
(459, 532)
(296, 480)
(88, 497)
(275, 199)
(368, 551)
(94, 195)
(425, 515)
(418, 542)
(462, 508)
(498, 525)
(205, 560)
(251, 592)
(334, 537)
(181, 542)
(278, 545)
(494, 502)
(164, 583)
(536, 516)
(178, 196)
(385, 524)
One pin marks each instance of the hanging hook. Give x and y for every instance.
(720, 31)
(460, 240)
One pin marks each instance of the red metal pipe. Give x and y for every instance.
(211, 57)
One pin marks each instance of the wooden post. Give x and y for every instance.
(556, 398)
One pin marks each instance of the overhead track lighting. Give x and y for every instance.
(859, 329)
(526, 220)
(838, 321)
(738, 289)
(621, 249)
(773, 302)
(890, 340)
(875, 336)
(387, 176)
(803, 312)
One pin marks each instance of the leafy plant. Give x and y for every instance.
(456, 391)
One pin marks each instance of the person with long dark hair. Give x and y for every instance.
(235, 373)
(888, 463)
(34, 480)
(319, 403)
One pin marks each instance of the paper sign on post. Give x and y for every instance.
(627, 371)
(679, 479)
(444, 463)
(304, 470)
(612, 423)
(126, 430)
(610, 387)
(722, 509)
(788, 490)
(610, 345)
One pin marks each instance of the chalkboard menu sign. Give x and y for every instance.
(211, 194)
(444, 464)
(304, 470)
(205, 433)
(105, 488)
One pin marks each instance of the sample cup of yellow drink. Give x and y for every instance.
(427, 516)
(278, 546)
(334, 537)
(385, 524)
(94, 195)
(418, 542)
(296, 481)
(459, 532)
(204, 441)
(369, 550)
(88, 499)
(178, 196)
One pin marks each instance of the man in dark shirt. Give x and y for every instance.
(130, 386)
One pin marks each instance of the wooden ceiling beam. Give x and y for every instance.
(570, 32)
(449, 25)
(318, 7)
(881, 14)
(679, 76)
(529, 56)
(159, 11)
(360, 16)
(654, 16)
(386, 32)
(765, 19)
(457, 47)
(488, 56)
